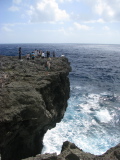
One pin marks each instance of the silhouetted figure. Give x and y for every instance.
(48, 54)
(53, 53)
(20, 52)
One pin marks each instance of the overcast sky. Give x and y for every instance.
(60, 21)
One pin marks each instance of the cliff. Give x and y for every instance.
(32, 100)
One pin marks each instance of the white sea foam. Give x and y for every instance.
(104, 116)
(83, 125)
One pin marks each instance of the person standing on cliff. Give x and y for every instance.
(43, 55)
(20, 53)
(48, 64)
(53, 53)
(33, 55)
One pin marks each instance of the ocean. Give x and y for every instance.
(92, 118)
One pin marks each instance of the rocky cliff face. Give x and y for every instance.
(32, 100)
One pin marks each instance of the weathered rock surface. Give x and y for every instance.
(32, 100)
(71, 152)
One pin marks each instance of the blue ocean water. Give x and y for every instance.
(92, 119)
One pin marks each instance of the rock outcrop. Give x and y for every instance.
(32, 100)
(71, 152)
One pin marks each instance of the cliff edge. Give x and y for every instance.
(32, 100)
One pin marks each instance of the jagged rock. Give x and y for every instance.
(32, 100)
(71, 152)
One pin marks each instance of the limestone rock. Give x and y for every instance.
(32, 100)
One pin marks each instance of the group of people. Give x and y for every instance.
(39, 54)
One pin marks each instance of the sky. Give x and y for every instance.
(60, 21)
